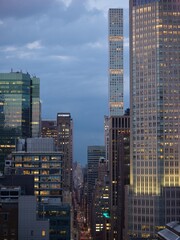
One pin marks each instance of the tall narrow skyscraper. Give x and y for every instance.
(155, 114)
(65, 145)
(116, 105)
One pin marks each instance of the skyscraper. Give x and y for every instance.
(94, 153)
(19, 109)
(119, 159)
(116, 105)
(65, 145)
(100, 204)
(155, 112)
(36, 106)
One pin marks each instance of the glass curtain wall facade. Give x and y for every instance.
(155, 110)
(19, 110)
(116, 105)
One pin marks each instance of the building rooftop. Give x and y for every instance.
(171, 232)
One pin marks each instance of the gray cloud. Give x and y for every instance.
(21, 8)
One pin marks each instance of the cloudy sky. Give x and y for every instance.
(64, 43)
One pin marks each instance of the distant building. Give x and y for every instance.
(65, 145)
(106, 135)
(100, 203)
(19, 110)
(49, 129)
(94, 154)
(116, 102)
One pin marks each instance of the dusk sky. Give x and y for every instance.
(65, 44)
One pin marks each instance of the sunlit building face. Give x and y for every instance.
(155, 105)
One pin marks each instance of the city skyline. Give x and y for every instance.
(46, 40)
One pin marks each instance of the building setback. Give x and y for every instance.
(155, 113)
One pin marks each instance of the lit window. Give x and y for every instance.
(43, 234)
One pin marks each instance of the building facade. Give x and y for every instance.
(100, 205)
(116, 103)
(59, 217)
(155, 111)
(119, 165)
(65, 145)
(94, 153)
(29, 225)
(18, 216)
(45, 166)
(49, 129)
(19, 110)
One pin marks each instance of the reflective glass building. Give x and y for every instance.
(155, 113)
(116, 106)
(19, 109)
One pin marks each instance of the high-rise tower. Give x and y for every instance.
(65, 145)
(155, 112)
(116, 106)
(19, 109)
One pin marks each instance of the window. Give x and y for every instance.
(43, 233)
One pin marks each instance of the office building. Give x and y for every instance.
(65, 145)
(29, 225)
(18, 216)
(59, 217)
(100, 205)
(49, 129)
(46, 166)
(106, 135)
(94, 154)
(26, 182)
(19, 110)
(36, 107)
(155, 113)
(119, 165)
(116, 103)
